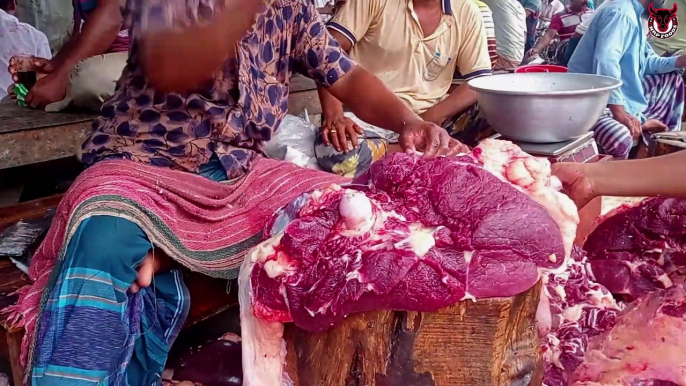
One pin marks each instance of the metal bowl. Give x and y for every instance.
(543, 107)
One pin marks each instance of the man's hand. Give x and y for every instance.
(532, 53)
(155, 261)
(431, 115)
(42, 67)
(52, 88)
(653, 126)
(337, 129)
(429, 138)
(631, 122)
(681, 61)
(576, 181)
(11, 93)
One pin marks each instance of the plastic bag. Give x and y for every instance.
(54, 18)
(294, 142)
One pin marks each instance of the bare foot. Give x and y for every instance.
(156, 260)
(653, 126)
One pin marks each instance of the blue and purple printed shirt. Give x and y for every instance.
(237, 111)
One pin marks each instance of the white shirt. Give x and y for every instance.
(18, 38)
(509, 19)
(588, 17)
(550, 9)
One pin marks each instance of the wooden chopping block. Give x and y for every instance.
(488, 343)
(666, 143)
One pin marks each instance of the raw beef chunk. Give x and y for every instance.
(634, 253)
(413, 234)
(639, 249)
(645, 347)
(573, 308)
(422, 235)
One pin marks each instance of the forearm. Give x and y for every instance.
(459, 100)
(371, 101)
(96, 36)
(637, 178)
(545, 40)
(330, 105)
(165, 54)
(65, 50)
(659, 65)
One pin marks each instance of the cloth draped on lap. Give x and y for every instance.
(665, 95)
(204, 225)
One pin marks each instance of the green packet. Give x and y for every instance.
(20, 90)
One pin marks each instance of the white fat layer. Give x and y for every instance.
(665, 280)
(532, 177)
(264, 250)
(419, 240)
(573, 314)
(278, 267)
(560, 290)
(263, 347)
(356, 210)
(468, 256)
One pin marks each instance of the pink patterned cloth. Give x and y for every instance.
(205, 225)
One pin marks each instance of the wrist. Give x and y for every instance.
(592, 172)
(616, 110)
(63, 69)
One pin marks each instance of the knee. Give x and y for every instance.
(107, 243)
(94, 80)
(621, 146)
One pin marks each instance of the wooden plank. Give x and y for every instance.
(16, 118)
(491, 342)
(35, 140)
(27, 210)
(208, 296)
(26, 147)
(299, 101)
(301, 83)
(14, 351)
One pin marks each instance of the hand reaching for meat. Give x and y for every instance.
(433, 140)
(576, 182)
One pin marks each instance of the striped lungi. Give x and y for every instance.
(665, 95)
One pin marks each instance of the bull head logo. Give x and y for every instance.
(662, 18)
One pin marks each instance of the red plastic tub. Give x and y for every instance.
(540, 68)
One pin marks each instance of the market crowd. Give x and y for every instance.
(391, 74)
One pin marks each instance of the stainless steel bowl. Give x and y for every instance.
(543, 107)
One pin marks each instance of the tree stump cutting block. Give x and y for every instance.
(488, 343)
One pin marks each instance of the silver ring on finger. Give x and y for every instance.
(333, 131)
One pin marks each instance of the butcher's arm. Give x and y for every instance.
(658, 65)
(165, 52)
(371, 101)
(460, 99)
(658, 176)
(330, 105)
(94, 38)
(349, 25)
(545, 40)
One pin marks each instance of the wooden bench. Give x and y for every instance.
(209, 297)
(30, 136)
